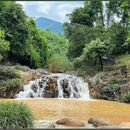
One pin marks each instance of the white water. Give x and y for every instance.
(76, 87)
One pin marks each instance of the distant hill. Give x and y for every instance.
(53, 26)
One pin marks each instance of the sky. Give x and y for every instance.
(55, 10)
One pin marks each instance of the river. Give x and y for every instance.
(52, 109)
(70, 99)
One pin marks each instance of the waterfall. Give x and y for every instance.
(56, 86)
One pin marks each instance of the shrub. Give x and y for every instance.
(59, 63)
(15, 115)
(98, 77)
(13, 83)
(113, 80)
(112, 88)
(19, 67)
(126, 98)
(8, 72)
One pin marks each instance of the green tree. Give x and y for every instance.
(13, 21)
(96, 49)
(36, 48)
(119, 9)
(78, 36)
(4, 45)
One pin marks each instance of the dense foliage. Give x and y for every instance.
(22, 42)
(27, 44)
(4, 45)
(104, 20)
(97, 32)
(14, 115)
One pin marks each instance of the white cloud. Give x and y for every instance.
(55, 10)
(44, 9)
(20, 2)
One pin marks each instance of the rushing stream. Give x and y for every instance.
(47, 100)
(56, 86)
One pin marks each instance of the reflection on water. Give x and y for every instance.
(48, 109)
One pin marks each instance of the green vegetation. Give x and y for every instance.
(124, 60)
(126, 98)
(59, 63)
(14, 115)
(8, 72)
(92, 38)
(98, 77)
(4, 45)
(95, 50)
(27, 44)
(19, 67)
(13, 83)
(112, 87)
(95, 40)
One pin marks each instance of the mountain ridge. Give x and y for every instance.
(52, 25)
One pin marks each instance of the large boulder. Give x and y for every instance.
(98, 122)
(70, 122)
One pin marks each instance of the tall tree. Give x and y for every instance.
(13, 21)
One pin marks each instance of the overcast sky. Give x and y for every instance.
(55, 10)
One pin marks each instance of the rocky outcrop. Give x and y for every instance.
(31, 74)
(98, 122)
(8, 74)
(70, 122)
(51, 88)
(100, 85)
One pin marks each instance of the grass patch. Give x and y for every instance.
(19, 67)
(124, 60)
(15, 115)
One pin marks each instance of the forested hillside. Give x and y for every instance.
(96, 35)
(98, 32)
(21, 42)
(52, 25)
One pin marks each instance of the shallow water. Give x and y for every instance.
(51, 109)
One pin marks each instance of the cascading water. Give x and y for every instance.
(56, 86)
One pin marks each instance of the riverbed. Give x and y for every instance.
(52, 109)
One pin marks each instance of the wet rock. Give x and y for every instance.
(70, 122)
(66, 89)
(93, 92)
(48, 94)
(51, 87)
(34, 88)
(98, 122)
(52, 125)
(65, 82)
(31, 95)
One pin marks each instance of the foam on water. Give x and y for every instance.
(76, 87)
